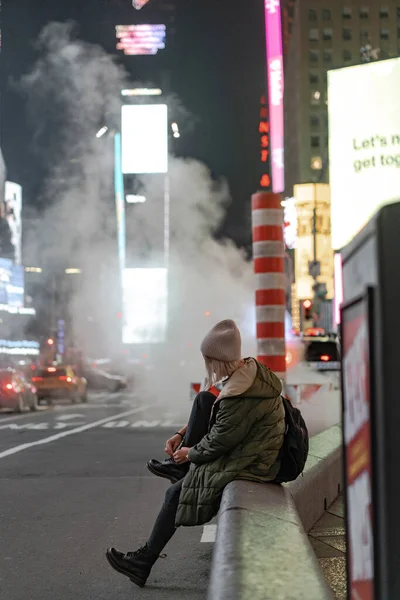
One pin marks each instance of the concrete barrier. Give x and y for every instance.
(262, 551)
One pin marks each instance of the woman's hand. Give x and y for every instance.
(181, 456)
(172, 444)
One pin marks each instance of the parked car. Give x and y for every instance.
(60, 381)
(16, 391)
(324, 353)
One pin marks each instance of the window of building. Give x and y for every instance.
(364, 36)
(347, 12)
(327, 56)
(347, 55)
(315, 122)
(327, 34)
(316, 97)
(347, 34)
(313, 56)
(398, 12)
(384, 34)
(364, 12)
(398, 32)
(313, 35)
(315, 141)
(384, 13)
(316, 163)
(312, 14)
(314, 78)
(326, 14)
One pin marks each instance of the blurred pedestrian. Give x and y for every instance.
(236, 435)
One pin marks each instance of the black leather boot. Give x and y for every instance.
(135, 565)
(168, 469)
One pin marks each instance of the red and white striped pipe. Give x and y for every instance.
(269, 267)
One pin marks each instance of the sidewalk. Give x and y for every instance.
(329, 542)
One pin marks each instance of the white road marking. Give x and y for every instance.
(61, 424)
(62, 434)
(116, 424)
(139, 424)
(209, 534)
(68, 417)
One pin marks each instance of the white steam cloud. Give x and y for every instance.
(76, 87)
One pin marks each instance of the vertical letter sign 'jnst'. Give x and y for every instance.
(357, 439)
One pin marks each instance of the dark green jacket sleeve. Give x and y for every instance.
(234, 421)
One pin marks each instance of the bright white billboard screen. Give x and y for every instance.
(364, 144)
(145, 298)
(144, 138)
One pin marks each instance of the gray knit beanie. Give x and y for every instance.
(223, 342)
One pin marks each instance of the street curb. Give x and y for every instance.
(262, 551)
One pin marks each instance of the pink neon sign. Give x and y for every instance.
(273, 31)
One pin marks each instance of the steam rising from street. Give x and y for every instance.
(208, 281)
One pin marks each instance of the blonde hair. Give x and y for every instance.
(217, 371)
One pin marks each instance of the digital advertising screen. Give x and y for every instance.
(144, 139)
(136, 40)
(364, 144)
(13, 214)
(11, 285)
(145, 300)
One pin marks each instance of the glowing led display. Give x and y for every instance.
(135, 40)
(273, 28)
(364, 144)
(13, 214)
(144, 138)
(138, 4)
(145, 297)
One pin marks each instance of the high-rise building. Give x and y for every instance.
(327, 34)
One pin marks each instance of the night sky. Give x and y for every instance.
(218, 74)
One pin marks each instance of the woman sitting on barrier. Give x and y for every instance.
(237, 435)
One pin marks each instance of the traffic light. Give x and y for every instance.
(308, 312)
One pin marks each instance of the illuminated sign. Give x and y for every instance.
(11, 285)
(273, 28)
(364, 144)
(310, 197)
(138, 4)
(264, 129)
(290, 222)
(13, 214)
(357, 420)
(145, 297)
(144, 138)
(21, 348)
(136, 40)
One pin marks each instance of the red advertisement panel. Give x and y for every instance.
(357, 438)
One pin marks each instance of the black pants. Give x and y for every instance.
(164, 527)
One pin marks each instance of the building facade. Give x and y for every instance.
(324, 35)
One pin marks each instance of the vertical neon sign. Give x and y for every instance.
(273, 33)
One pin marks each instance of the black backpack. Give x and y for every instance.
(294, 451)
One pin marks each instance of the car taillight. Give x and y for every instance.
(325, 358)
(37, 378)
(9, 386)
(65, 378)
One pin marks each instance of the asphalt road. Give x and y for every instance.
(73, 482)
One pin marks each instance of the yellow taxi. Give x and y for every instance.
(59, 381)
